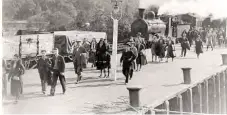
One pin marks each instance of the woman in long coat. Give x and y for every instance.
(153, 46)
(101, 56)
(184, 44)
(198, 46)
(15, 74)
(160, 49)
(170, 49)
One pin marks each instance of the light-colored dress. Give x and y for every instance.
(209, 39)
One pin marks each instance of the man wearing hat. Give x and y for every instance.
(58, 68)
(134, 51)
(79, 59)
(127, 59)
(43, 66)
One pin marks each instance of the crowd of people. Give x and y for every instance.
(98, 54)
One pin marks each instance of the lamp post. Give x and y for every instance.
(116, 15)
(170, 27)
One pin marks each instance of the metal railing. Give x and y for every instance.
(208, 96)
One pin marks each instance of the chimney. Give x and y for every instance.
(141, 12)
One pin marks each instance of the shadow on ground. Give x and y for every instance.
(97, 85)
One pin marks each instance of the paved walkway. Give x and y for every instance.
(97, 96)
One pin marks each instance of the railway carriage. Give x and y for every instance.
(29, 46)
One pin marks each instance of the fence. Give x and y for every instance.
(208, 96)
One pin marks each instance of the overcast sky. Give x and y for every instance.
(218, 8)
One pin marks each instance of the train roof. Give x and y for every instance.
(80, 35)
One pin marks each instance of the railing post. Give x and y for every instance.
(181, 104)
(191, 100)
(200, 98)
(167, 107)
(219, 93)
(207, 95)
(223, 90)
(214, 95)
(196, 96)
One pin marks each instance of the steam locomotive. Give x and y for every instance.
(148, 25)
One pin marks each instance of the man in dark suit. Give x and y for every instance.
(43, 66)
(58, 68)
(127, 59)
(79, 59)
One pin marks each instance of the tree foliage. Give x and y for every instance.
(70, 14)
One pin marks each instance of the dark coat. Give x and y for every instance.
(185, 44)
(198, 47)
(128, 59)
(170, 49)
(44, 65)
(78, 57)
(61, 63)
(141, 59)
(101, 53)
(17, 71)
(101, 49)
(160, 48)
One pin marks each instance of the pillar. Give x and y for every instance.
(134, 96)
(187, 75)
(170, 27)
(114, 49)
